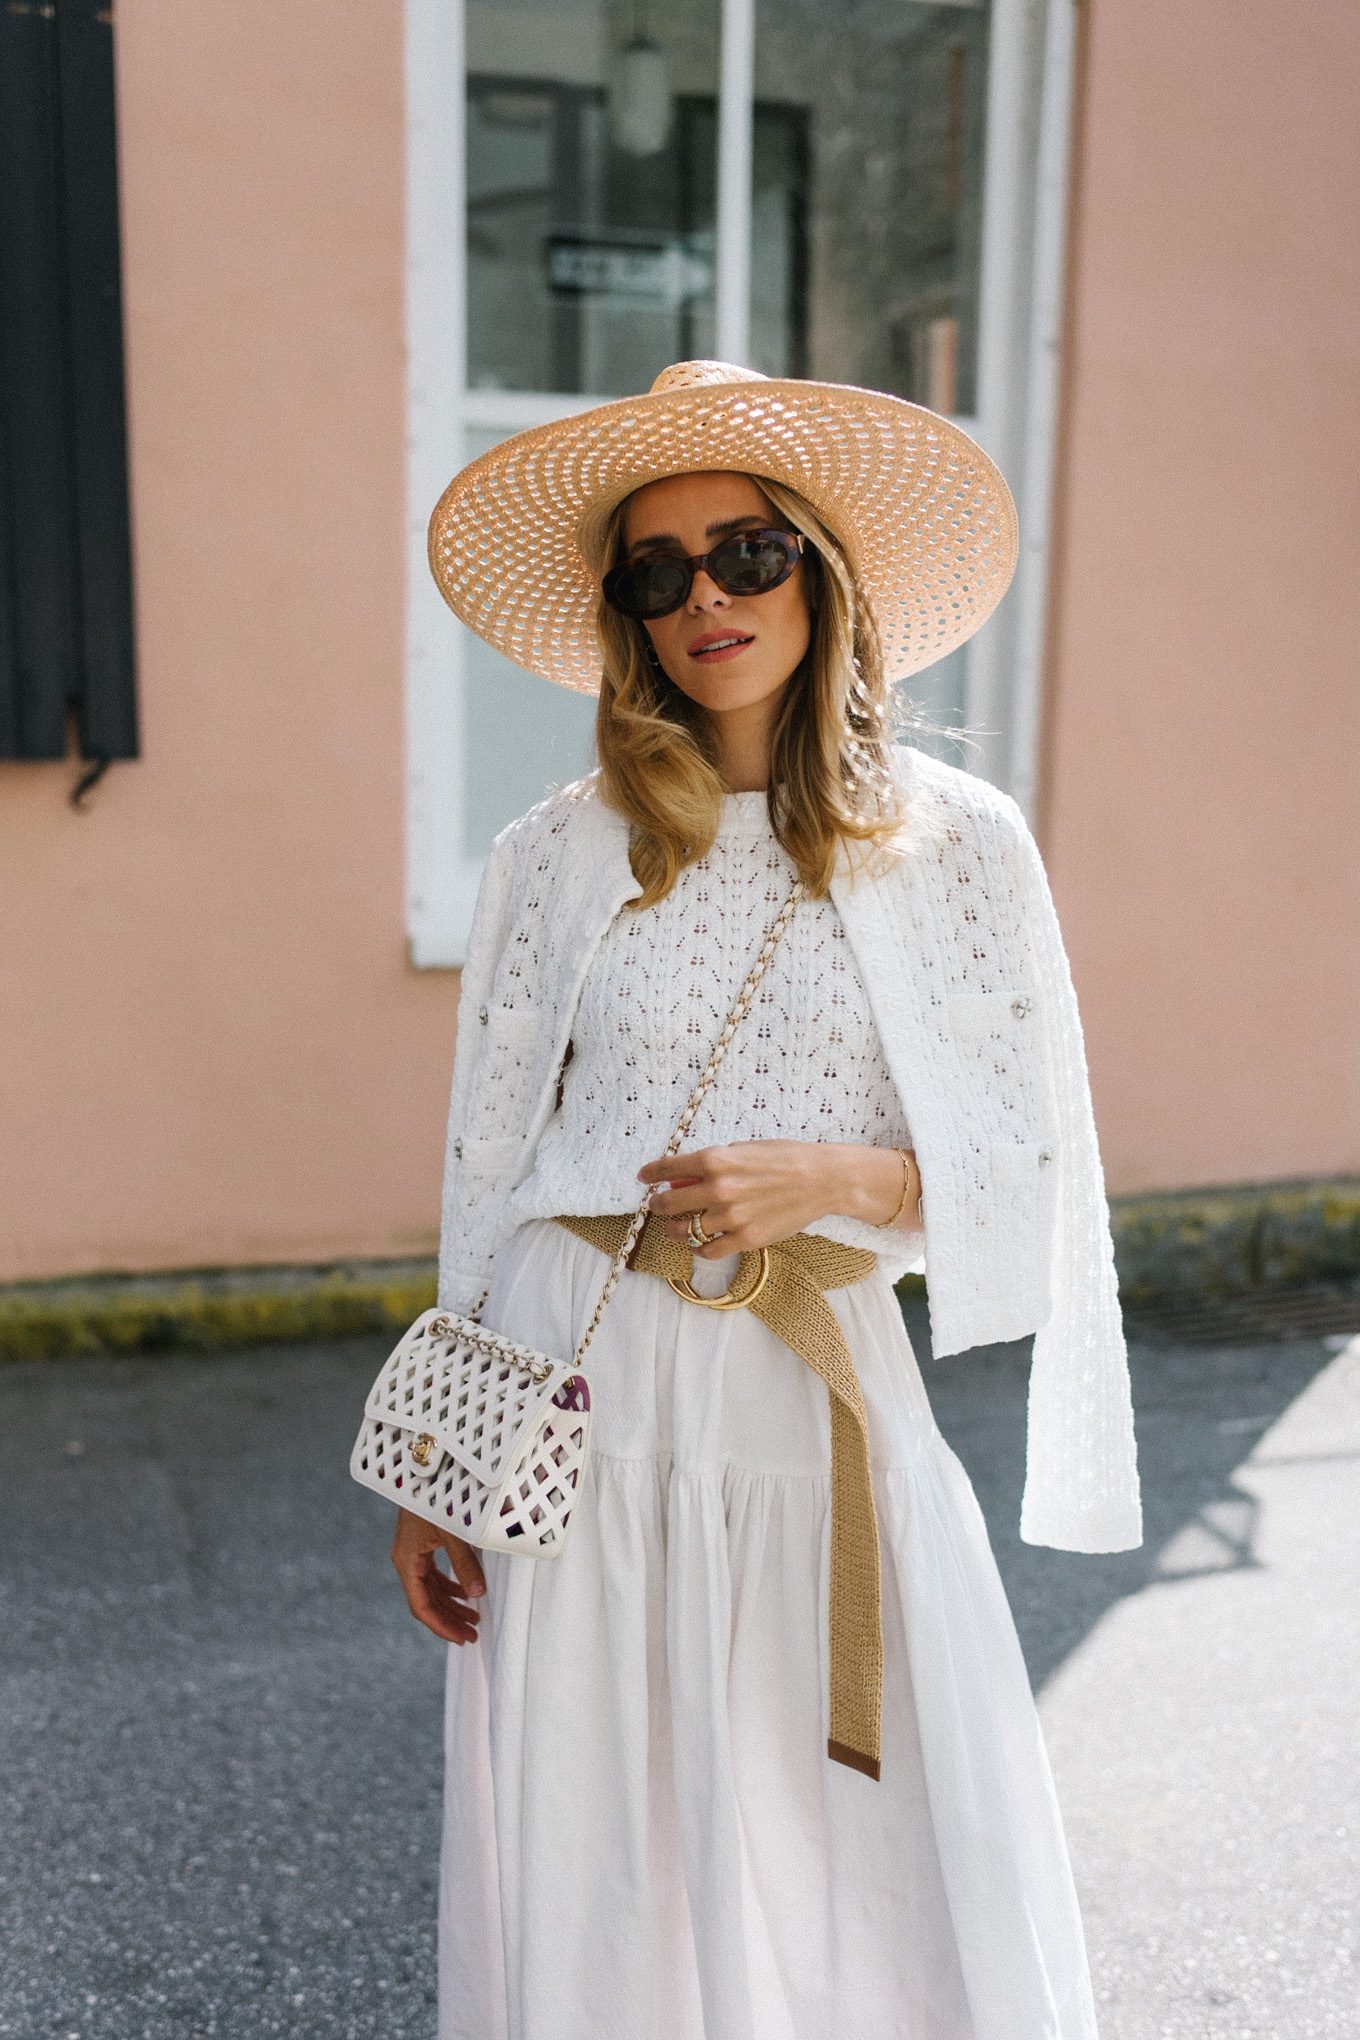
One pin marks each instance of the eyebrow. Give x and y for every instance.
(728, 524)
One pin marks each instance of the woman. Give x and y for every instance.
(756, 1757)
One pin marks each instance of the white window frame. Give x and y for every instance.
(1024, 207)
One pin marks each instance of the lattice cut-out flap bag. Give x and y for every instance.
(482, 1435)
(476, 1432)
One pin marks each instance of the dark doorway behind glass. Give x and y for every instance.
(589, 269)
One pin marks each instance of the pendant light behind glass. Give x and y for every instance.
(640, 94)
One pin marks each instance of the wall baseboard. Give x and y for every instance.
(1227, 1238)
(206, 1309)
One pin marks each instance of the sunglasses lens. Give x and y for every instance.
(649, 587)
(750, 566)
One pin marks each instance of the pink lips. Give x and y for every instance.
(719, 645)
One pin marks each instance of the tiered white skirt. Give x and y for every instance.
(644, 1838)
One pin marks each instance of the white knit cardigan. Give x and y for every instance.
(963, 961)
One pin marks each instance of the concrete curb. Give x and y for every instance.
(210, 1308)
(1199, 1242)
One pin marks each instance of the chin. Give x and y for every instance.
(721, 691)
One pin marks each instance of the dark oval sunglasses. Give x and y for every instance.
(748, 563)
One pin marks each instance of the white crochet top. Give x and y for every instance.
(804, 1064)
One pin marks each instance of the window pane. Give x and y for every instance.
(779, 233)
(591, 184)
(892, 94)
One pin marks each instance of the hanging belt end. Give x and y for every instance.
(841, 1753)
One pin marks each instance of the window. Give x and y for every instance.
(65, 572)
(588, 266)
(597, 189)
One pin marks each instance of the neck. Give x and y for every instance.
(744, 747)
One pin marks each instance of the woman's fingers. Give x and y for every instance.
(749, 1192)
(435, 1601)
(447, 1593)
(448, 1607)
(466, 1566)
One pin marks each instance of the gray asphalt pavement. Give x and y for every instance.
(219, 1727)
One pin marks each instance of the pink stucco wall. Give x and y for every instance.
(1201, 809)
(216, 1051)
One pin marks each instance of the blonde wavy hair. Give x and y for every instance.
(830, 767)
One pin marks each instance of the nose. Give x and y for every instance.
(705, 594)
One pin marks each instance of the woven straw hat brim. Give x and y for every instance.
(923, 512)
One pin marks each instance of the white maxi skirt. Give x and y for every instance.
(643, 1835)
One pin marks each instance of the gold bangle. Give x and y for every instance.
(906, 1185)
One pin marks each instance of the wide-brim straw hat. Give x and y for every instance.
(925, 516)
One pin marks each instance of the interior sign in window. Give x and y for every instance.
(653, 273)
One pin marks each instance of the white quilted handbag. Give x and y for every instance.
(486, 1437)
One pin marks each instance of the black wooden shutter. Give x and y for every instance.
(65, 557)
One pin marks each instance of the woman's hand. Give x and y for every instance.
(756, 1191)
(441, 1603)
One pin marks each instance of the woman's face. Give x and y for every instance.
(725, 651)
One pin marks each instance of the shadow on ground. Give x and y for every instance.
(1199, 1411)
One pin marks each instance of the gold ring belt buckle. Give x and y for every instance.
(728, 1300)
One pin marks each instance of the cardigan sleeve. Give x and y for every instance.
(1081, 1482)
(462, 1261)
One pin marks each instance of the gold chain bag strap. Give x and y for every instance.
(486, 1437)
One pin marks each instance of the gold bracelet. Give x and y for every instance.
(906, 1185)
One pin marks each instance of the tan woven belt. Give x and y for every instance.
(784, 1285)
